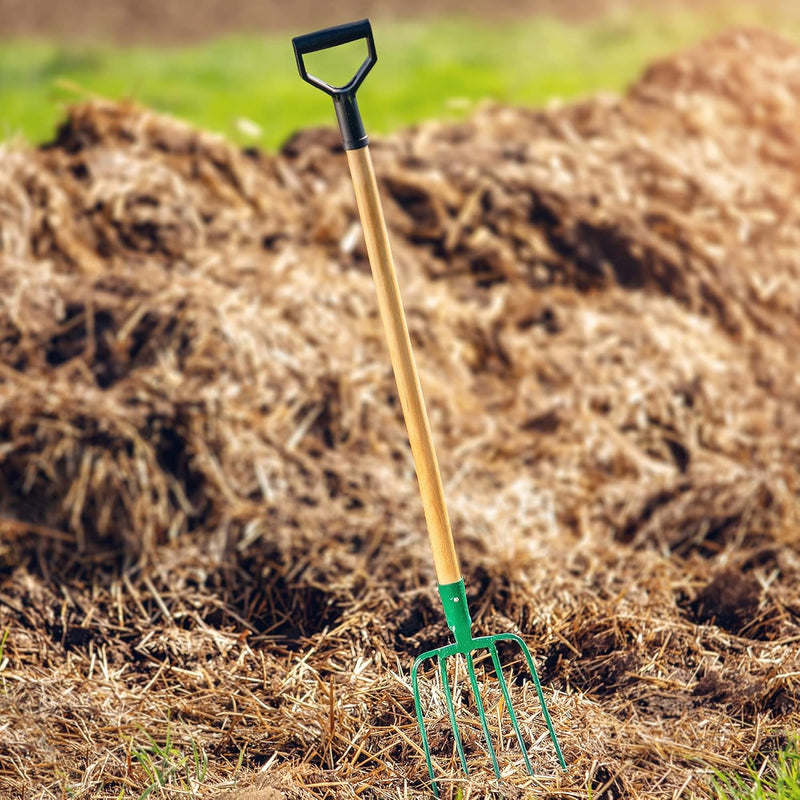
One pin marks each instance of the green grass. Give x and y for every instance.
(432, 69)
(776, 779)
(170, 767)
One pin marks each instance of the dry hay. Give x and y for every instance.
(210, 525)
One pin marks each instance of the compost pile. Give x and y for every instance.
(210, 524)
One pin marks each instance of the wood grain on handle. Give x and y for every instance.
(405, 368)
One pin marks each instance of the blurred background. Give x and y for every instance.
(226, 65)
(181, 20)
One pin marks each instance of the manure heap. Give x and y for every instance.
(209, 521)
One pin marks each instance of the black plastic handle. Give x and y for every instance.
(344, 97)
(333, 37)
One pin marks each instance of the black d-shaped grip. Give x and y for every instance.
(344, 97)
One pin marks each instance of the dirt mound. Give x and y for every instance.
(209, 519)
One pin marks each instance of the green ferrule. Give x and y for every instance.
(454, 600)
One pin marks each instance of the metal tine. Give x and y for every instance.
(511, 713)
(512, 637)
(482, 712)
(452, 712)
(421, 719)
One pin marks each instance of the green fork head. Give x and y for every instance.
(454, 600)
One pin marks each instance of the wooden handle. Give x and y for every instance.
(405, 368)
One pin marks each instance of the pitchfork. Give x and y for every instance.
(451, 583)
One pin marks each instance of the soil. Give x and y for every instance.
(212, 543)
